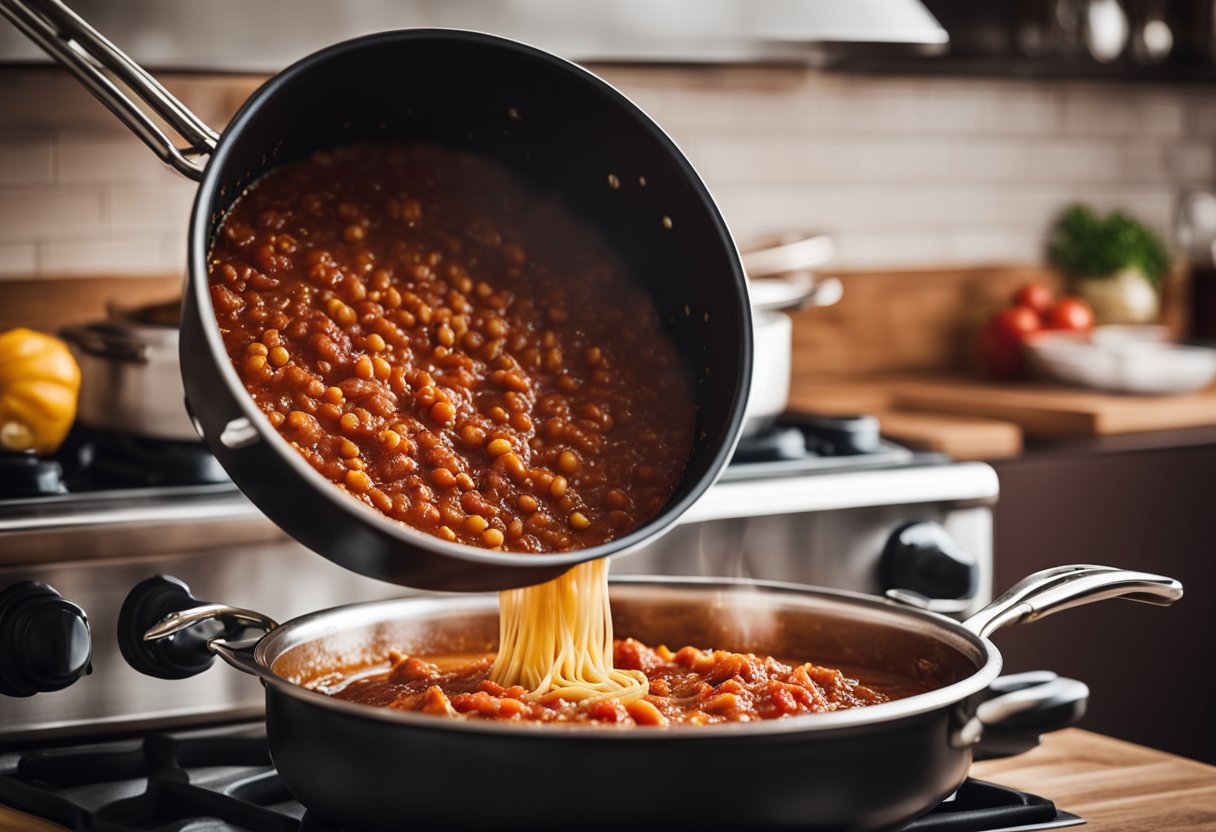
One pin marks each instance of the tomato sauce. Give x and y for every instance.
(687, 687)
(452, 349)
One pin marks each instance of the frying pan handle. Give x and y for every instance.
(1063, 587)
(67, 38)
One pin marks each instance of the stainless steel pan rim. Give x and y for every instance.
(1038, 595)
(315, 625)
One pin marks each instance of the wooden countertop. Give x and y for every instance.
(971, 418)
(1116, 786)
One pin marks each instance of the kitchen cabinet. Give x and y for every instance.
(1145, 501)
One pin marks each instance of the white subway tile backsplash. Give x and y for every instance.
(26, 160)
(1199, 116)
(902, 170)
(1075, 160)
(1035, 207)
(1158, 116)
(174, 255)
(757, 212)
(17, 259)
(90, 159)
(120, 255)
(995, 160)
(692, 111)
(918, 160)
(1155, 205)
(895, 249)
(47, 98)
(994, 248)
(1193, 163)
(845, 112)
(1105, 111)
(1146, 160)
(37, 213)
(771, 161)
(949, 112)
(1021, 109)
(150, 208)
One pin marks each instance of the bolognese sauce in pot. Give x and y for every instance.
(452, 349)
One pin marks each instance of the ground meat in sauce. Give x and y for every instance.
(688, 686)
(452, 349)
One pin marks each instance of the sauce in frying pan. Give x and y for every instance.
(688, 686)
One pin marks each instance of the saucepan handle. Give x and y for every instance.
(98, 64)
(1063, 587)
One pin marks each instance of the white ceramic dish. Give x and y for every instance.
(1122, 359)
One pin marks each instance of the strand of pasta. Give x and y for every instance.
(555, 640)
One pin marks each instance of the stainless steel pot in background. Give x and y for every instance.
(781, 280)
(131, 378)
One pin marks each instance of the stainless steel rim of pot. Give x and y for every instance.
(1036, 596)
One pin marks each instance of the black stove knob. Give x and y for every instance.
(45, 642)
(179, 656)
(923, 558)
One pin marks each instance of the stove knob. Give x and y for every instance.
(45, 643)
(179, 656)
(923, 558)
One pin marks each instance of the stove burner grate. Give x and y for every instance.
(222, 780)
(101, 460)
(27, 475)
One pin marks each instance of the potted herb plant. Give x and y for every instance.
(1115, 262)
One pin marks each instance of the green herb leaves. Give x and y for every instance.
(1084, 244)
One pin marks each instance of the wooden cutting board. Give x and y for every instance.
(1047, 411)
(961, 437)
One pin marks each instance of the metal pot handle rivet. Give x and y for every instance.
(239, 433)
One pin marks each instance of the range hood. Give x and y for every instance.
(266, 35)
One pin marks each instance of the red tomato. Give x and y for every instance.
(1035, 295)
(1070, 313)
(1000, 341)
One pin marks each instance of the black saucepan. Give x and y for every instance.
(558, 126)
(364, 767)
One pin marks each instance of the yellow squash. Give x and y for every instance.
(39, 385)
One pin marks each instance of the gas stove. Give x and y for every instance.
(223, 780)
(92, 461)
(93, 744)
(817, 500)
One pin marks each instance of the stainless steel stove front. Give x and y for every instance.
(827, 529)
